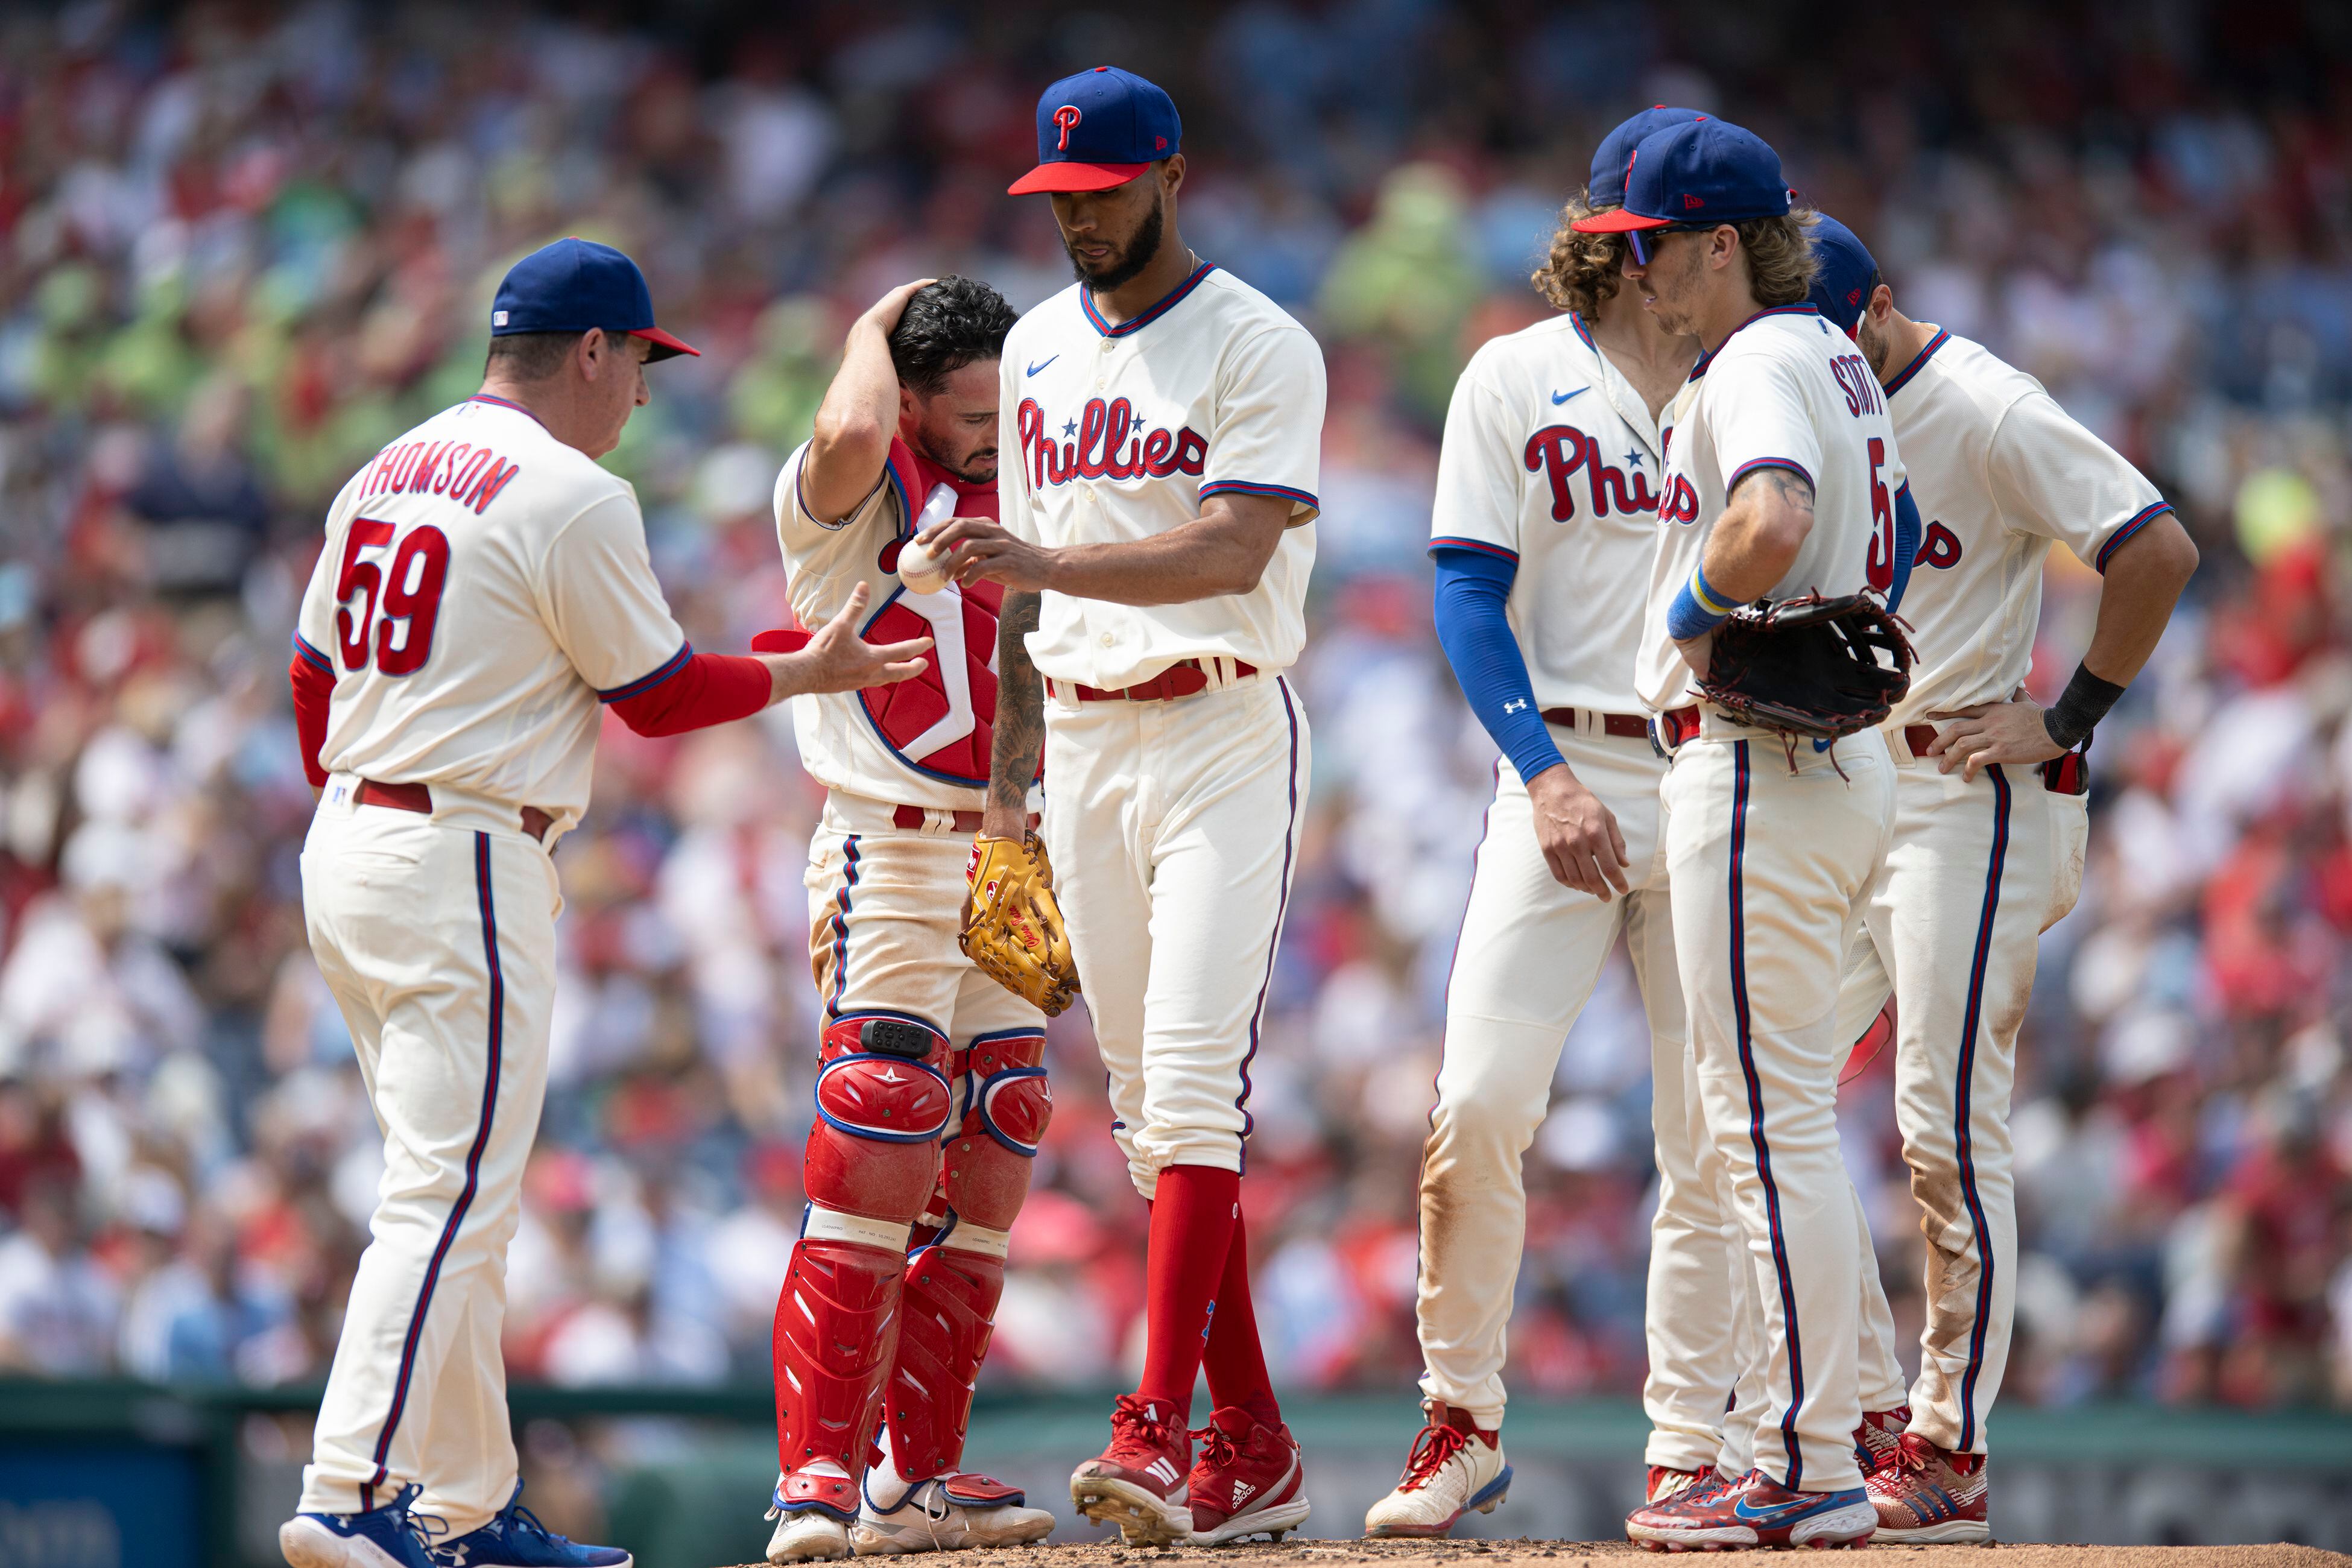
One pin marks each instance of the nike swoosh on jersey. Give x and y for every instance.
(1560, 397)
(1040, 365)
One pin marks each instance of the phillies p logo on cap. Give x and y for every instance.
(1099, 129)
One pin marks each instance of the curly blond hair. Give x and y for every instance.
(1580, 269)
(1780, 262)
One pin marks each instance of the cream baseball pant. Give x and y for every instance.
(1530, 954)
(436, 935)
(1976, 872)
(1769, 851)
(885, 903)
(1173, 829)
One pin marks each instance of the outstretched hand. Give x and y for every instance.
(835, 658)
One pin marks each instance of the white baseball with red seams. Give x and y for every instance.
(922, 570)
(1977, 869)
(1172, 825)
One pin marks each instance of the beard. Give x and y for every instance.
(1874, 344)
(1127, 265)
(977, 466)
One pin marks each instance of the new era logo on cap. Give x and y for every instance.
(1691, 203)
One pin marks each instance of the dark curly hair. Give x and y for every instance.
(947, 325)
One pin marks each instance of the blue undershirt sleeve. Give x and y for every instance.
(1475, 628)
(1906, 546)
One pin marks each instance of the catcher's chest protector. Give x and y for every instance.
(927, 722)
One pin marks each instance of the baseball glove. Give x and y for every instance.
(1012, 928)
(1809, 666)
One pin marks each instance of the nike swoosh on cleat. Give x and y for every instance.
(1560, 397)
(1040, 365)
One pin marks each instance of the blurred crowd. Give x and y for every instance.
(243, 245)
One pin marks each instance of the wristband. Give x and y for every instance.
(1697, 610)
(2079, 707)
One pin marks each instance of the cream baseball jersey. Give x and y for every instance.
(1121, 432)
(483, 589)
(923, 742)
(1999, 472)
(1785, 390)
(1551, 460)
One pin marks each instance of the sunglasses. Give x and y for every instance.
(1639, 239)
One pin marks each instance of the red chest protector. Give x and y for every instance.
(942, 722)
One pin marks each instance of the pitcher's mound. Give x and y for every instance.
(1298, 1554)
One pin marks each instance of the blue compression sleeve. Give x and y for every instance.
(1906, 546)
(1473, 626)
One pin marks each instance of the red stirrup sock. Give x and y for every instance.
(1194, 1218)
(1234, 1359)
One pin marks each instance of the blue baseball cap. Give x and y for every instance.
(1606, 187)
(1843, 287)
(576, 284)
(1703, 172)
(1098, 129)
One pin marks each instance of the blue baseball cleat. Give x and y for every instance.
(516, 1538)
(387, 1537)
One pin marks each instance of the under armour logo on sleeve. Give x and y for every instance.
(1515, 705)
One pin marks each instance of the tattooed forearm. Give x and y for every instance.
(1020, 706)
(1791, 486)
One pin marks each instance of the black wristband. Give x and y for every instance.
(2079, 707)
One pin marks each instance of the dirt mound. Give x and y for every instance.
(1582, 1553)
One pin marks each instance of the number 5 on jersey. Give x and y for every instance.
(392, 628)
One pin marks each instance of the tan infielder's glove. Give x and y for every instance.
(1012, 928)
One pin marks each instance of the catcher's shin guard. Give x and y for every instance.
(835, 1332)
(952, 1286)
(946, 1317)
(882, 1101)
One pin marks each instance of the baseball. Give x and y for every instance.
(923, 570)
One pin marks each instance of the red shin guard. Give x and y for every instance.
(836, 1331)
(1192, 1224)
(947, 1313)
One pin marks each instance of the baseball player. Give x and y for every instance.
(1544, 526)
(1156, 541)
(1781, 481)
(1990, 825)
(484, 590)
(919, 1051)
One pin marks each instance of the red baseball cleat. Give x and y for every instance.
(1879, 1438)
(1134, 1482)
(1663, 1484)
(1248, 1481)
(1929, 1497)
(1753, 1510)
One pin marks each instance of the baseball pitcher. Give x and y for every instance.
(484, 591)
(1156, 540)
(931, 1093)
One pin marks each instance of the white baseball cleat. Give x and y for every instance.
(1455, 1468)
(946, 1514)
(805, 1532)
